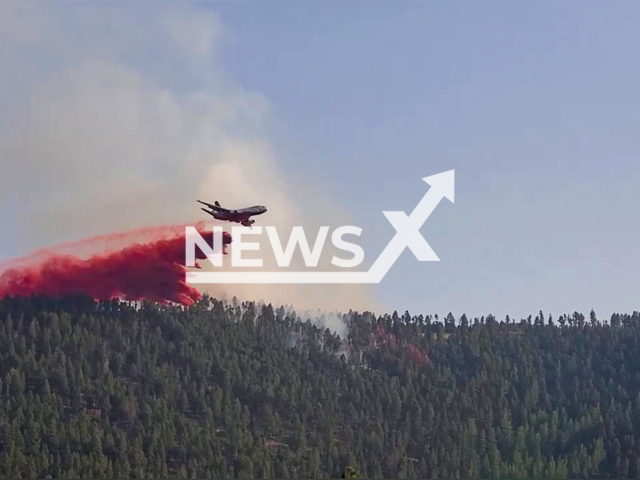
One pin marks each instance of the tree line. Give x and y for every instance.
(243, 390)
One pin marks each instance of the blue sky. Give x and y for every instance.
(536, 107)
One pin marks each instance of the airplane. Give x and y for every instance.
(242, 216)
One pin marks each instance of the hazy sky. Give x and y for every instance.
(536, 106)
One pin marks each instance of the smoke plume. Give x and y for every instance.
(126, 119)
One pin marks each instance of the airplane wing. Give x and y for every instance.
(217, 208)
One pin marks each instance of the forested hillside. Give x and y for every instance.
(240, 390)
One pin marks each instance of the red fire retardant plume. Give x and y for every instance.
(153, 271)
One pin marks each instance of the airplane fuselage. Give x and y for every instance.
(242, 216)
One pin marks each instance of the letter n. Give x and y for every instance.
(192, 238)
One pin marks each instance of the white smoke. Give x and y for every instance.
(335, 322)
(128, 121)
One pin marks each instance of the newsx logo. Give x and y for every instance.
(407, 235)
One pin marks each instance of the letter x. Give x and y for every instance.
(408, 230)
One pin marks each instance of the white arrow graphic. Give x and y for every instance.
(408, 228)
(407, 235)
